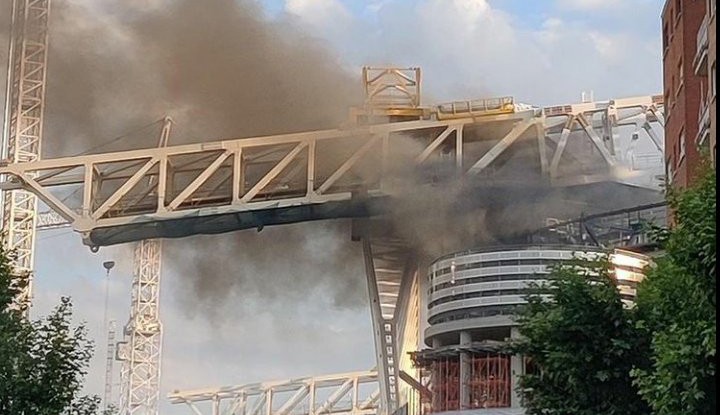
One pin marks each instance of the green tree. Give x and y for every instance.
(676, 309)
(581, 339)
(42, 362)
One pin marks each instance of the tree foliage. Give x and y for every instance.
(581, 338)
(676, 309)
(42, 362)
(596, 357)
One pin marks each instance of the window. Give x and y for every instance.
(678, 7)
(666, 37)
(713, 82)
(669, 172)
(682, 145)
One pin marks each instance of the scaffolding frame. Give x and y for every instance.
(488, 383)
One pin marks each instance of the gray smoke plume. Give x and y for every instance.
(221, 70)
(217, 67)
(293, 263)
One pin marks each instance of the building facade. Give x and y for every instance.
(683, 88)
(471, 301)
(705, 67)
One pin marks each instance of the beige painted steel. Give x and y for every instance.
(354, 393)
(227, 177)
(142, 360)
(22, 132)
(141, 352)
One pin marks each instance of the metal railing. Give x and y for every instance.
(486, 106)
(703, 120)
(701, 45)
(646, 161)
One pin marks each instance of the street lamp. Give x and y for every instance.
(108, 265)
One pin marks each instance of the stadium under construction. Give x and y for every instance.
(459, 207)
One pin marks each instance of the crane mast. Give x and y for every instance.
(22, 132)
(141, 352)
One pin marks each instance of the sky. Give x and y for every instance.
(541, 52)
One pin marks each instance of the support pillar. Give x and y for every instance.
(517, 369)
(384, 334)
(465, 371)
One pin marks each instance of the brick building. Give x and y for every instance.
(705, 67)
(685, 91)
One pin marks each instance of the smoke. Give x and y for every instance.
(219, 68)
(222, 70)
(280, 265)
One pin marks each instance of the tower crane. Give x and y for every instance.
(22, 133)
(142, 349)
(21, 140)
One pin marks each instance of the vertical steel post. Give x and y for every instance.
(384, 334)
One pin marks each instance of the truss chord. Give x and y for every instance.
(321, 183)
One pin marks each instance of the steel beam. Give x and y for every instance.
(384, 336)
(352, 393)
(265, 173)
(501, 146)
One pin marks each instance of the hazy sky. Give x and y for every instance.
(541, 52)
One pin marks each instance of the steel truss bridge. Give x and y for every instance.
(354, 393)
(221, 186)
(354, 172)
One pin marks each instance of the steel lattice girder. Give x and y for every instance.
(22, 132)
(141, 352)
(236, 184)
(353, 393)
(393, 287)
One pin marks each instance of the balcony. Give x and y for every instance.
(703, 121)
(701, 54)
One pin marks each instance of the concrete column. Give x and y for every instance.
(516, 370)
(465, 371)
(436, 375)
(436, 344)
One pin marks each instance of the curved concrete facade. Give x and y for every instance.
(476, 293)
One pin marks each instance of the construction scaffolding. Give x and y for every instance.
(212, 187)
(464, 378)
(490, 381)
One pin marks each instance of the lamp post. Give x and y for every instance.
(108, 265)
